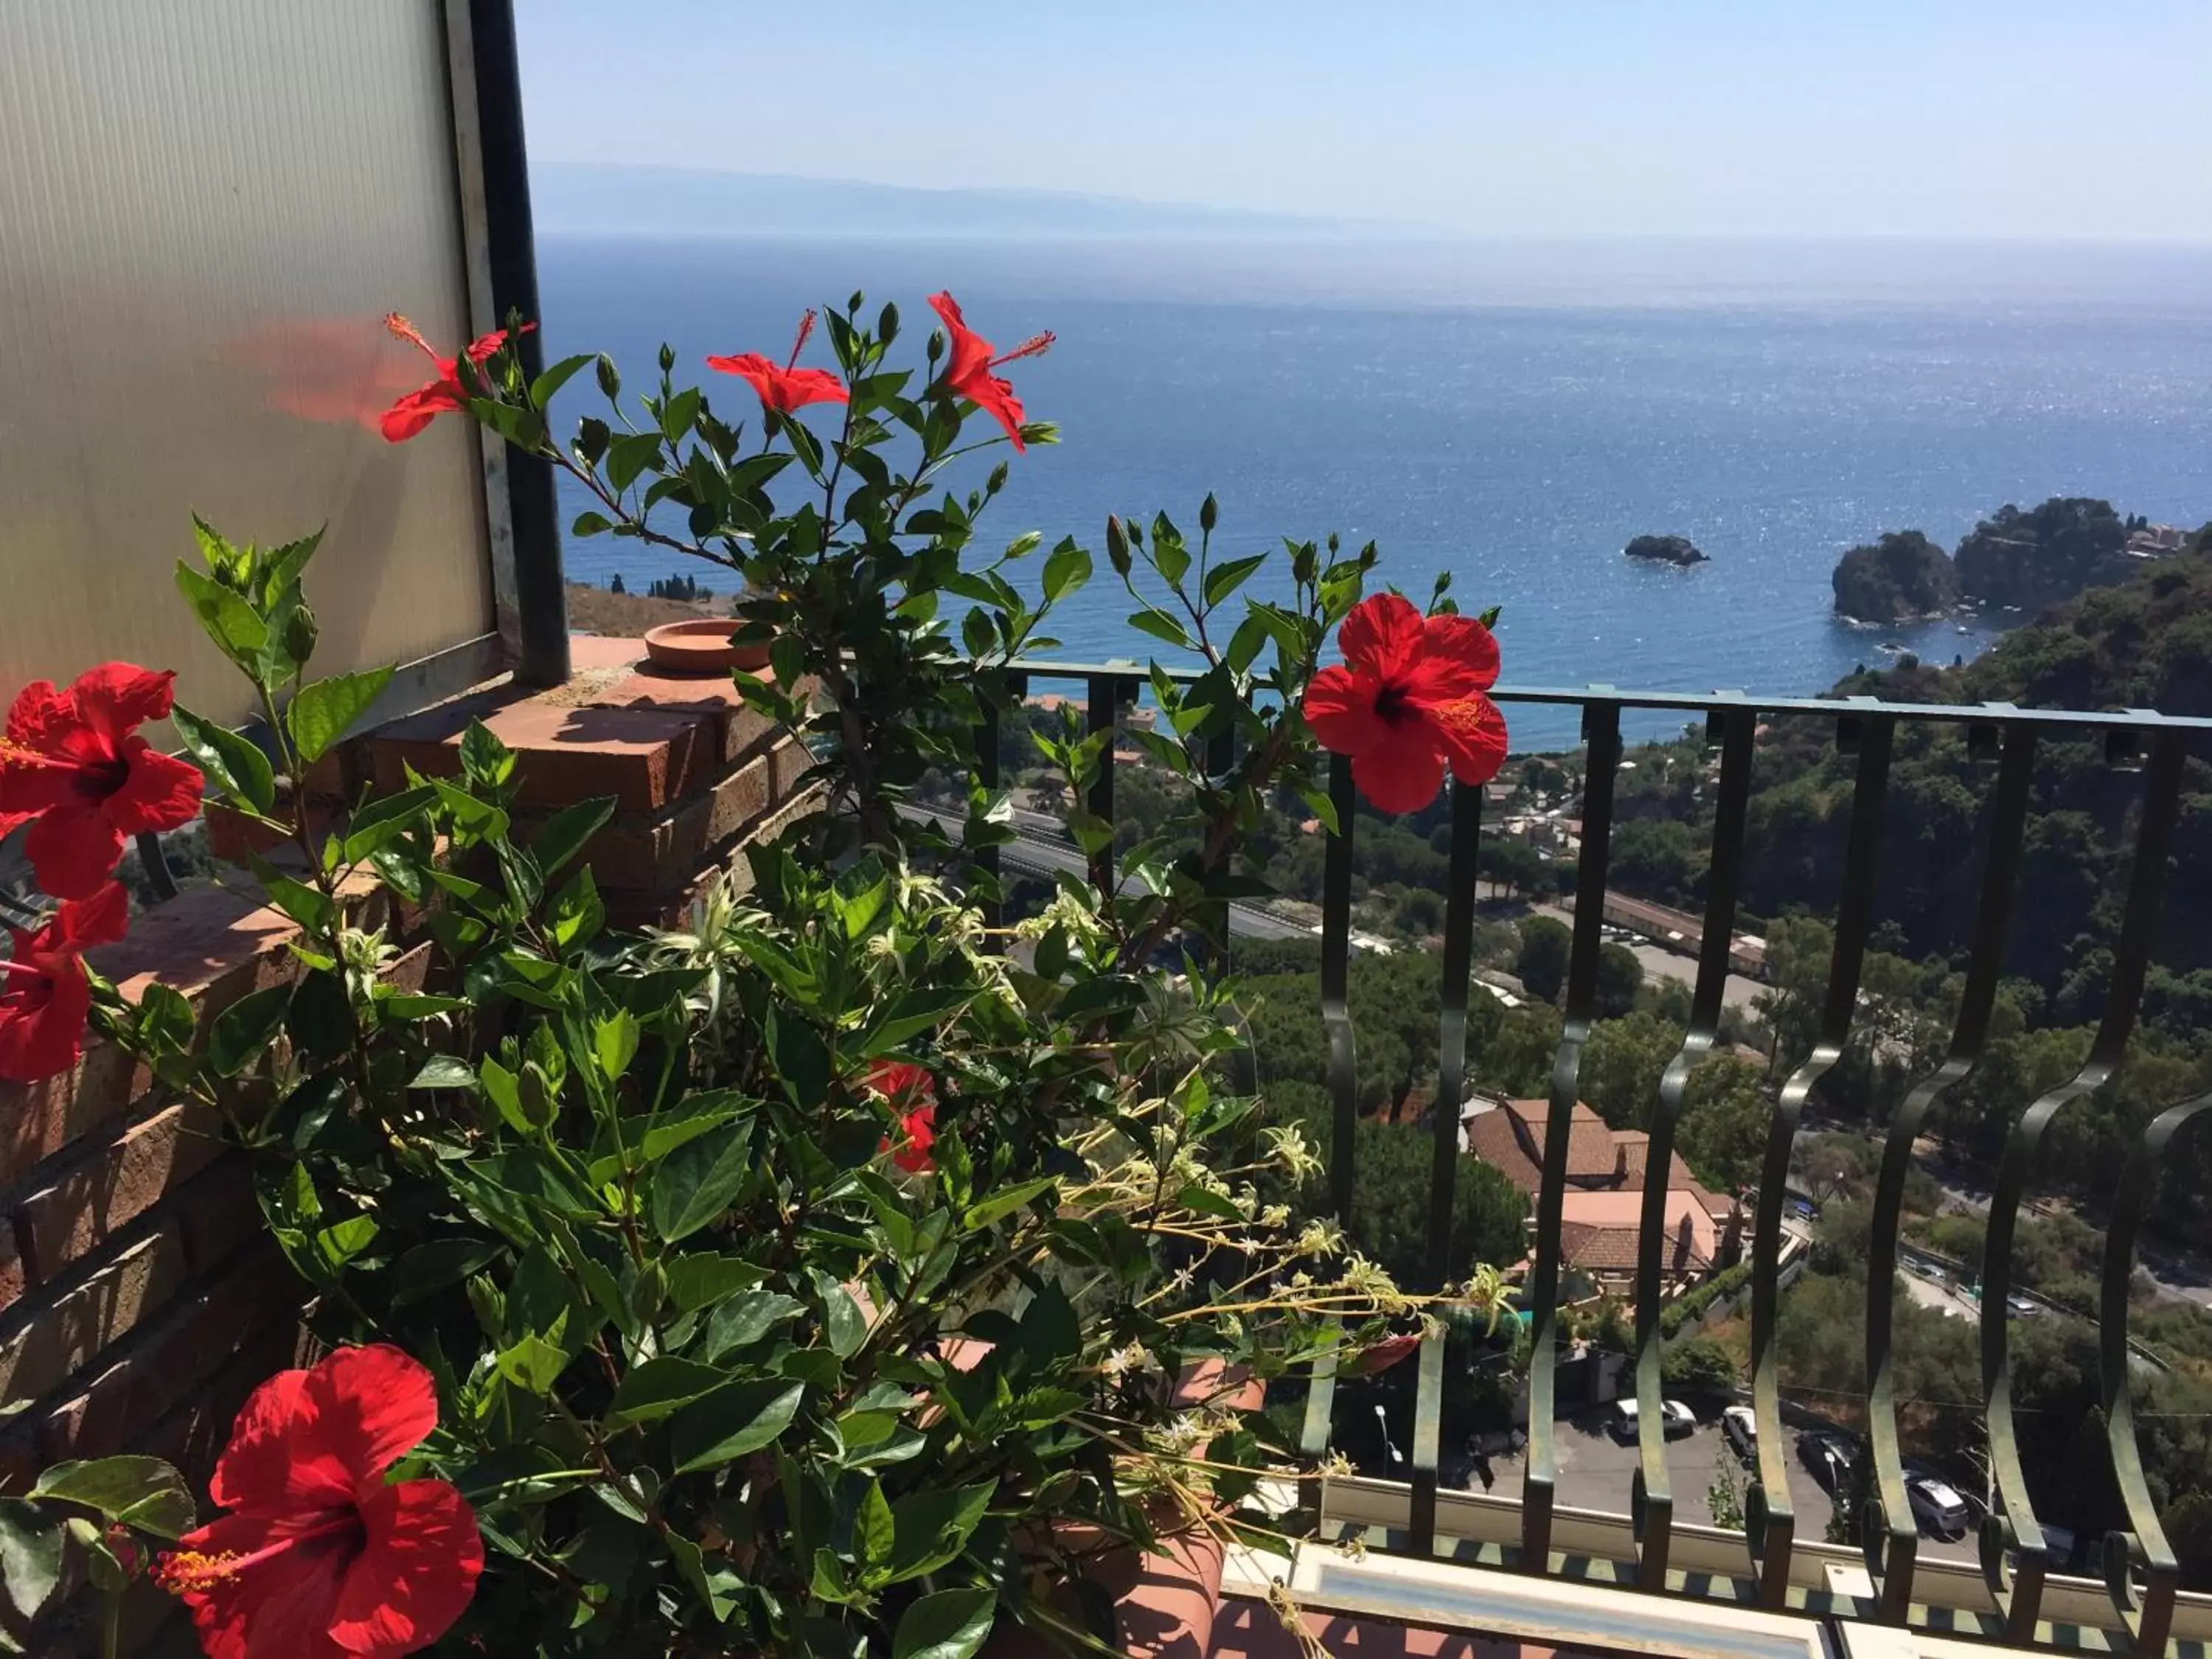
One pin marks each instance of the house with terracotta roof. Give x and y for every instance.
(1601, 1211)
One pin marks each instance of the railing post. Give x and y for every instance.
(1651, 1500)
(987, 774)
(1770, 1518)
(1444, 1141)
(2012, 1525)
(1540, 1470)
(1343, 1076)
(2148, 1614)
(1892, 1536)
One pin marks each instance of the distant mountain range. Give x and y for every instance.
(573, 197)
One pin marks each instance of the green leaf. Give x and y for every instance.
(947, 1624)
(308, 906)
(701, 1280)
(243, 1031)
(614, 1043)
(1225, 579)
(564, 834)
(1162, 626)
(933, 1527)
(744, 1320)
(543, 388)
(142, 1492)
(577, 913)
(693, 1567)
(846, 1325)
(1004, 1203)
(659, 1387)
(30, 1557)
(339, 1244)
(324, 711)
(911, 1013)
(860, 893)
(875, 1534)
(732, 1422)
(227, 618)
(235, 765)
(697, 1181)
(1065, 570)
(629, 455)
(429, 1268)
(533, 1364)
(678, 413)
(380, 821)
(484, 759)
(444, 1072)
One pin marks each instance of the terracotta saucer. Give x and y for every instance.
(702, 648)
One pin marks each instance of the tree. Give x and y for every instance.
(1725, 1118)
(1390, 1206)
(1620, 977)
(1698, 1365)
(1545, 946)
(1517, 1060)
(1622, 1063)
(616, 585)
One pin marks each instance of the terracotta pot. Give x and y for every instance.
(1165, 1601)
(702, 647)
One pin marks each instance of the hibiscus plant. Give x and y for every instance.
(842, 1274)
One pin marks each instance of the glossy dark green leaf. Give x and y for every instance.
(1226, 578)
(234, 764)
(659, 1387)
(945, 1624)
(30, 1557)
(543, 388)
(242, 1033)
(696, 1184)
(141, 1492)
(732, 1423)
(746, 1319)
(562, 835)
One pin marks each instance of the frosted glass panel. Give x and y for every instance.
(205, 207)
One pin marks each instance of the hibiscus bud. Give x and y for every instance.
(1209, 515)
(1304, 564)
(610, 381)
(997, 481)
(1117, 545)
(887, 323)
(667, 358)
(300, 631)
(936, 344)
(540, 1097)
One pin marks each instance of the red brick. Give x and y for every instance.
(743, 728)
(106, 1188)
(50, 1343)
(165, 1359)
(660, 853)
(217, 1211)
(644, 757)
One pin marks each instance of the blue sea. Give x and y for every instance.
(1513, 414)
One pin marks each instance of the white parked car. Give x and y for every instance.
(1675, 1419)
(1936, 1505)
(1740, 1428)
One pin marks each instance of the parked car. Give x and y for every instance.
(1930, 1272)
(1832, 1456)
(2020, 1307)
(1740, 1428)
(1675, 1419)
(1936, 1505)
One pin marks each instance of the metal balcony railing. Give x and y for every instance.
(1780, 1571)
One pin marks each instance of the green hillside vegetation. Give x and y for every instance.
(1902, 576)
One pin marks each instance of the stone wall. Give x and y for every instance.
(140, 1299)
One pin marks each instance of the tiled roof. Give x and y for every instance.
(1512, 1136)
(1600, 1231)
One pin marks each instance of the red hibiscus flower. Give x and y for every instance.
(967, 371)
(1408, 699)
(44, 995)
(73, 761)
(785, 389)
(419, 407)
(910, 1092)
(319, 1557)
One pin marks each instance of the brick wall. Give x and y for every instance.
(140, 1299)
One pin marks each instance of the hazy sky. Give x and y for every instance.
(2028, 118)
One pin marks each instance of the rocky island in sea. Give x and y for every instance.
(1665, 550)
